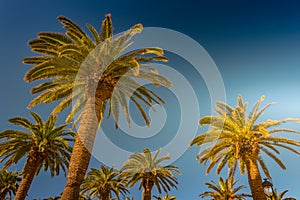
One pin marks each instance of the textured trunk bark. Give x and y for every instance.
(254, 179)
(82, 150)
(32, 165)
(147, 194)
(104, 196)
(147, 190)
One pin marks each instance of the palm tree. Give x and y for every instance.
(44, 145)
(224, 190)
(92, 74)
(9, 183)
(150, 172)
(240, 141)
(167, 197)
(104, 182)
(279, 196)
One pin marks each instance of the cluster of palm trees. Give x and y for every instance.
(140, 168)
(106, 183)
(91, 73)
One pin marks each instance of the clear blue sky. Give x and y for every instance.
(255, 45)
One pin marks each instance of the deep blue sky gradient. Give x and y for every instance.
(255, 44)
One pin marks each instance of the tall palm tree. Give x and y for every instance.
(44, 145)
(92, 74)
(224, 190)
(103, 182)
(9, 183)
(150, 172)
(166, 197)
(240, 141)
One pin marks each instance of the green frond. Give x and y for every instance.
(264, 167)
(277, 160)
(254, 114)
(54, 38)
(269, 145)
(114, 105)
(281, 130)
(286, 147)
(42, 47)
(72, 27)
(222, 163)
(21, 122)
(94, 32)
(154, 58)
(141, 109)
(36, 60)
(277, 140)
(77, 53)
(106, 29)
(272, 123)
(223, 108)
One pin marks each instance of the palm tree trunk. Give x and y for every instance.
(104, 196)
(254, 179)
(147, 195)
(147, 192)
(32, 165)
(82, 150)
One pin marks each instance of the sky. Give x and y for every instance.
(253, 45)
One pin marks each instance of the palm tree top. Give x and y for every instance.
(61, 61)
(224, 190)
(146, 161)
(40, 138)
(239, 136)
(149, 170)
(104, 181)
(9, 182)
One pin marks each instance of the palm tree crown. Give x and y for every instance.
(76, 59)
(43, 143)
(9, 183)
(240, 141)
(224, 190)
(150, 172)
(104, 182)
(42, 139)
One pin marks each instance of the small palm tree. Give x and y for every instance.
(150, 172)
(224, 190)
(86, 71)
(240, 141)
(279, 196)
(166, 197)
(44, 145)
(103, 183)
(9, 183)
